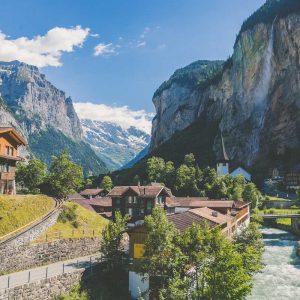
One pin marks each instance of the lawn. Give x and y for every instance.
(279, 211)
(276, 198)
(19, 210)
(74, 222)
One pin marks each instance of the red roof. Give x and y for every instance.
(186, 219)
(197, 202)
(141, 191)
(13, 133)
(240, 204)
(91, 203)
(92, 192)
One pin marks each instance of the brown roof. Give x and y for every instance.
(186, 219)
(240, 204)
(93, 192)
(75, 196)
(91, 203)
(142, 191)
(211, 215)
(13, 133)
(197, 202)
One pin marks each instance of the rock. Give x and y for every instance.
(255, 99)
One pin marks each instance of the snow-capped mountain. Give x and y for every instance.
(115, 145)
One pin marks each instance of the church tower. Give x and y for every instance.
(223, 160)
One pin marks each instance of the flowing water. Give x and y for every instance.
(280, 279)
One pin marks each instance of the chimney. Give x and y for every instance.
(214, 214)
(139, 183)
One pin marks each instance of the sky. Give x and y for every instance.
(116, 52)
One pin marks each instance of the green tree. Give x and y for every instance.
(163, 260)
(251, 194)
(218, 189)
(225, 276)
(111, 242)
(106, 183)
(186, 181)
(250, 246)
(169, 174)
(156, 169)
(31, 175)
(189, 160)
(65, 177)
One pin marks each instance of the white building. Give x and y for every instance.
(223, 165)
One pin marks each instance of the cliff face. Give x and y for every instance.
(35, 102)
(44, 115)
(255, 99)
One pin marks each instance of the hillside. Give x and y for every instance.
(37, 108)
(253, 100)
(19, 210)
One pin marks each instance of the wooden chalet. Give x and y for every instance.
(138, 201)
(10, 140)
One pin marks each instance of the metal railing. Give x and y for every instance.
(25, 277)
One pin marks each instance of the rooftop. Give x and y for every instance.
(92, 192)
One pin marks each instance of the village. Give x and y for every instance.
(131, 205)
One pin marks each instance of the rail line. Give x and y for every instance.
(28, 227)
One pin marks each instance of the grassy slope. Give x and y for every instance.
(17, 211)
(89, 224)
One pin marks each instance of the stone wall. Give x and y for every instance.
(45, 289)
(27, 256)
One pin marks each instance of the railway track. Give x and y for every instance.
(14, 236)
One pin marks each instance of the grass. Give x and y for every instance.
(275, 198)
(279, 211)
(74, 222)
(19, 210)
(284, 221)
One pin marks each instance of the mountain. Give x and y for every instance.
(44, 115)
(253, 98)
(115, 145)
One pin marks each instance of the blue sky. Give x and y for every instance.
(145, 41)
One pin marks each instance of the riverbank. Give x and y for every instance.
(280, 277)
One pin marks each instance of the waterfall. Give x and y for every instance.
(262, 90)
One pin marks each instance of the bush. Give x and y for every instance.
(68, 214)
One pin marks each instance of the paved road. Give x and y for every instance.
(36, 274)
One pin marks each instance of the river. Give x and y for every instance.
(280, 278)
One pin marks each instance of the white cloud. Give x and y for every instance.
(140, 44)
(94, 35)
(104, 49)
(121, 115)
(43, 51)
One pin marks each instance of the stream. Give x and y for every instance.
(280, 278)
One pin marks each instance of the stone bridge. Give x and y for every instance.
(295, 219)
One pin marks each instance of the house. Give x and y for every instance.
(138, 201)
(10, 140)
(99, 205)
(223, 164)
(138, 234)
(292, 179)
(93, 193)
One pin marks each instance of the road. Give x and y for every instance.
(36, 274)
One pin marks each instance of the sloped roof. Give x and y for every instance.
(240, 204)
(197, 202)
(212, 215)
(75, 196)
(91, 203)
(142, 191)
(93, 192)
(13, 133)
(186, 219)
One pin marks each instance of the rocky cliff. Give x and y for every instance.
(44, 115)
(254, 100)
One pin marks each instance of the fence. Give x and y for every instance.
(65, 234)
(24, 277)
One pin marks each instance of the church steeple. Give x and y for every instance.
(223, 160)
(223, 155)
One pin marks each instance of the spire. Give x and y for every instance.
(223, 155)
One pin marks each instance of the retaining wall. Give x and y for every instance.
(28, 256)
(45, 289)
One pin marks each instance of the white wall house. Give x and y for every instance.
(241, 171)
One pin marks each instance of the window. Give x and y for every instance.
(129, 211)
(149, 205)
(129, 199)
(11, 151)
(117, 201)
(160, 199)
(7, 150)
(7, 167)
(142, 211)
(134, 199)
